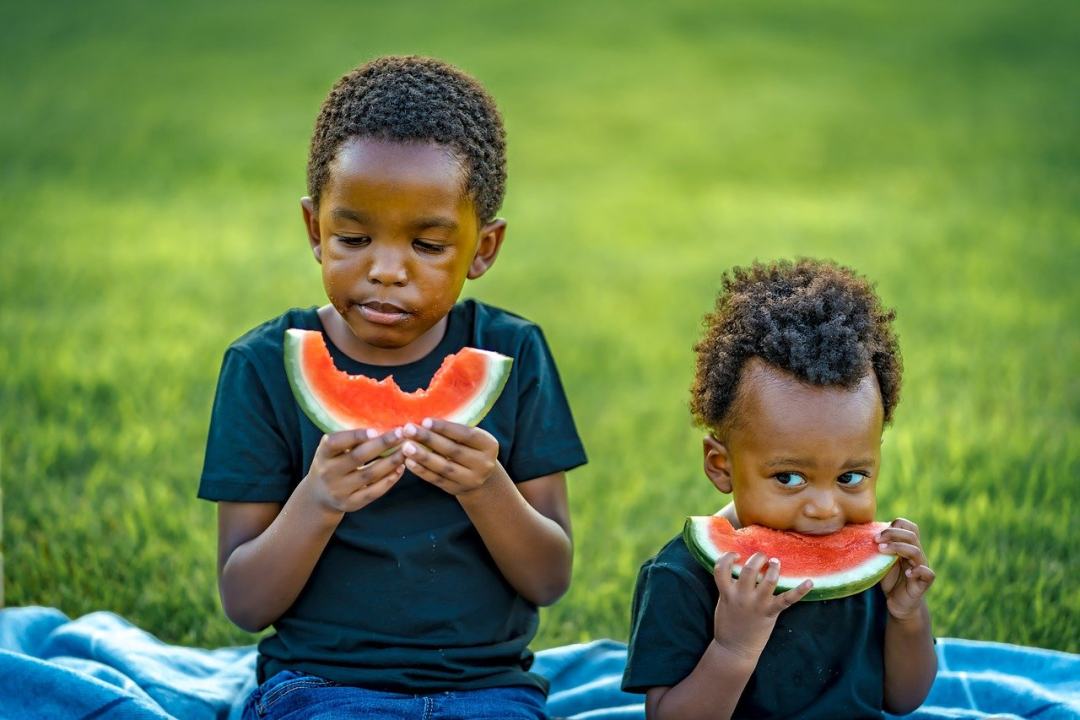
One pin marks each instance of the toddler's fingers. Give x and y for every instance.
(751, 570)
(921, 577)
(912, 553)
(786, 599)
(895, 534)
(772, 575)
(905, 524)
(722, 569)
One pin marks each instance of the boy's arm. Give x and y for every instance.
(266, 551)
(525, 527)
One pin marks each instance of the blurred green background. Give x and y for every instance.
(152, 161)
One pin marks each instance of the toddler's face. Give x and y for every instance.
(396, 236)
(802, 457)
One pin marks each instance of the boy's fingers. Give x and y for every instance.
(374, 447)
(474, 437)
(339, 442)
(430, 466)
(445, 446)
(376, 469)
(376, 489)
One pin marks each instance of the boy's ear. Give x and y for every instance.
(491, 240)
(311, 225)
(717, 463)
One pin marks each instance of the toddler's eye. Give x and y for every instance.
(789, 479)
(428, 247)
(851, 479)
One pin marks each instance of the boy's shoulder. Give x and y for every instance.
(268, 337)
(495, 328)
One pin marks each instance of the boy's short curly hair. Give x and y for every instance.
(412, 98)
(817, 320)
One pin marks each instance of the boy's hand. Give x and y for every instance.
(453, 457)
(746, 611)
(911, 576)
(347, 473)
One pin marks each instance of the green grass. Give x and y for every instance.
(152, 165)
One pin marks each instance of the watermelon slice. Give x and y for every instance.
(462, 390)
(840, 564)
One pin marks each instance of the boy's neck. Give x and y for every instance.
(342, 337)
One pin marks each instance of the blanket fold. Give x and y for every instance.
(102, 666)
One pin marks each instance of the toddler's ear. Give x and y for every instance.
(717, 463)
(487, 249)
(311, 224)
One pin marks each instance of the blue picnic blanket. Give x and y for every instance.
(102, 666)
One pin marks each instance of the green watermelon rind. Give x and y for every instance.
(826, 587)
(498, 372)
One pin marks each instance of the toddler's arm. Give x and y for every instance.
(525, 527)
(266, 551)
(910, 660)
(745, 615)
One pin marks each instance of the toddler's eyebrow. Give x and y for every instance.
(803, 462)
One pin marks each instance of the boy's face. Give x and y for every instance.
(799, 457)
(397, 235)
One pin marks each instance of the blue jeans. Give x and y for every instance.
(291, 695)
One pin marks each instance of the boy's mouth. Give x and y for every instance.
(382, 313)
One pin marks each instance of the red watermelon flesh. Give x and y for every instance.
(462, 390)
(839, 564)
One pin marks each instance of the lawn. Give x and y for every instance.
(151, 170)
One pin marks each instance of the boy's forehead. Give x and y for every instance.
(394, 160)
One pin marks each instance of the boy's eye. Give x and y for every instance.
(789, 479)
(428, 247)
(358, 241)
(851, 479)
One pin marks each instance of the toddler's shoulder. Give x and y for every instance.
(673, 564)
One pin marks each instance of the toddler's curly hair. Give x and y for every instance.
(815, 319)
(412, 98)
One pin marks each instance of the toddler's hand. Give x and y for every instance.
(456, 458)
(347, 473)
(911, 576)
(746, 611)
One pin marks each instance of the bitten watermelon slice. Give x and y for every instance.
(840, 564)
(462, 390)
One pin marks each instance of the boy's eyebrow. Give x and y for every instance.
(347, 214)
(435, 221)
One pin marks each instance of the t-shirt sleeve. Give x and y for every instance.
(670, 628)
(546, 439)
(247, 457)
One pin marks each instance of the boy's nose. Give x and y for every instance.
(387, 270)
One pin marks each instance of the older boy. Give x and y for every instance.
(401, 572)
(796, 375)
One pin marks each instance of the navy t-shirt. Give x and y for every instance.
(824, 659)
(405, 597)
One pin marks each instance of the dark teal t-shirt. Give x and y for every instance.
(405, 597)
(824, 659)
